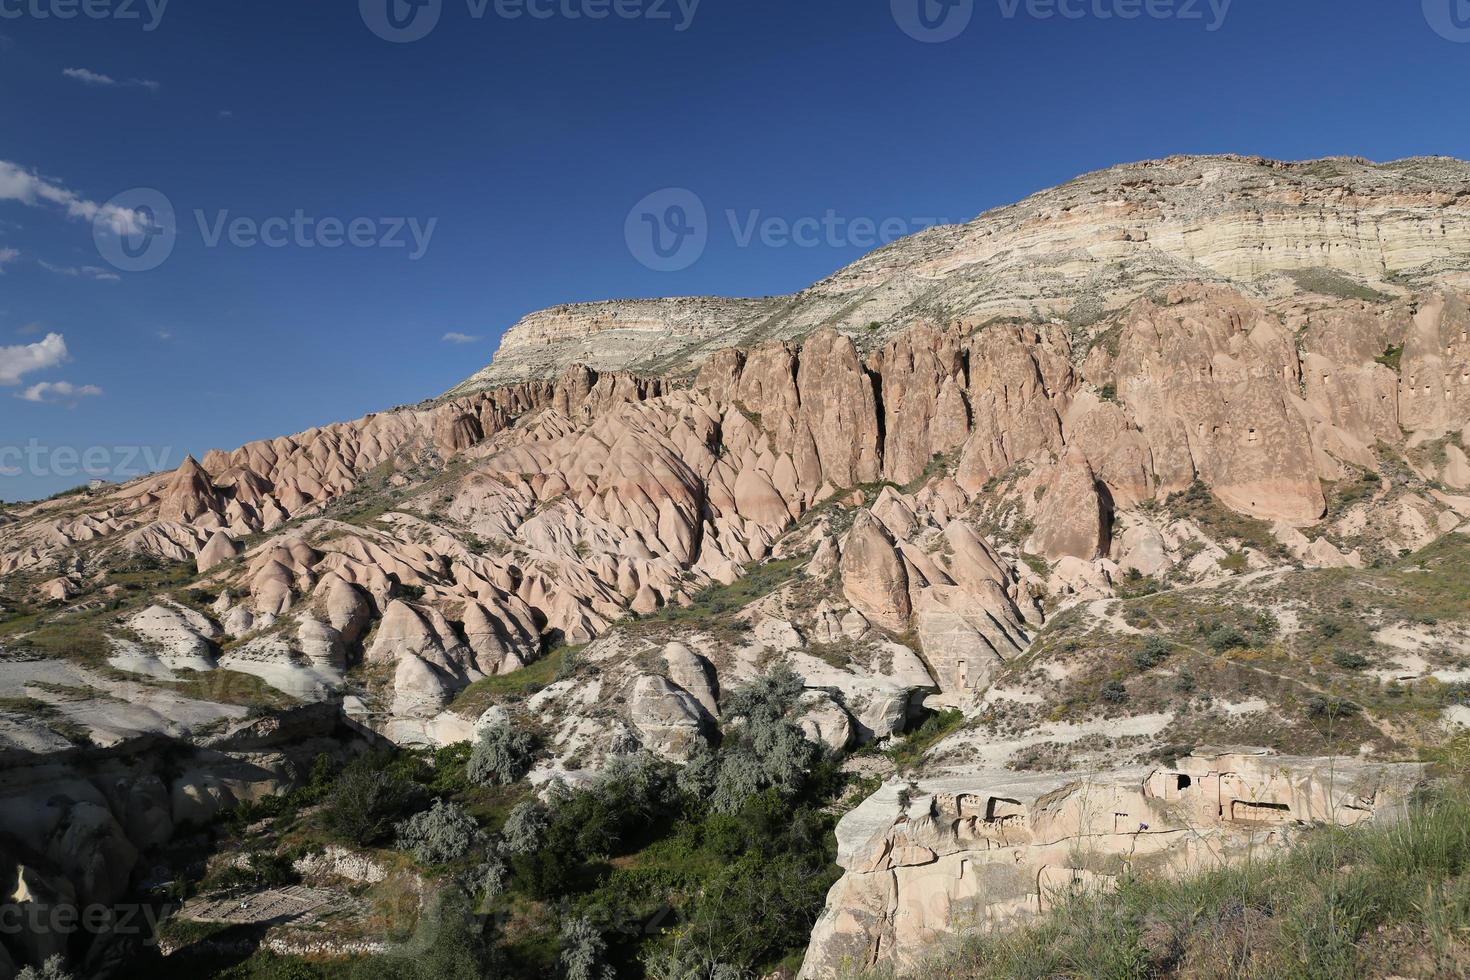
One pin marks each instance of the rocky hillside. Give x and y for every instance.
(1170, 457)
(1075, 253)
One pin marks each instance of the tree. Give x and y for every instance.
(583, 951)
(53, 969)
(440, 834)
(501, 756)
(524, 829)
(764, 747)
(488, 880)
(366, 801)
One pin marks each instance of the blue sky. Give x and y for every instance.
(520, 144)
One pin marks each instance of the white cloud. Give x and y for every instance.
(34, 190)
(454, 337)
(84, 272)
(165, 335)
(89, 77)
(58, 392)
(8, 255)
(18, 361)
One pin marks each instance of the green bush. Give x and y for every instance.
(583, 951)
(500, 757)
(579, 828)
(1155, 650)
(53, 969)
(765, 748)
(365, 803)
(440, 834)
(1348, 660)
(1226, 638)
(1327, 708)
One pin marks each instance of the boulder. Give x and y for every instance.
(669, 720)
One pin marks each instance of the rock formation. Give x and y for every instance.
(987, 850)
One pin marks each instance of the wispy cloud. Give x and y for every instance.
(18, 361)
(165, 335)
(454, 337)
(8, 255)
(34, 190)
(80, 272)
(96, 78)
(58, 392)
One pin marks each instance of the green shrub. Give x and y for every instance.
(934, 729)
(1223, 639)
(583, 951)
(525, 828)
(1155, 650)
(368, 799)
(1348, 660)
(1328, 708)
(765, 750)
(500, 757)
(53, 969)
(440, 834)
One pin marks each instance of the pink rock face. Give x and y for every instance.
(1434, 385)
(873, 575)
(1074, 519)
(1019, 386)
(189, 496)
(924, 405)
(1210, 377)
